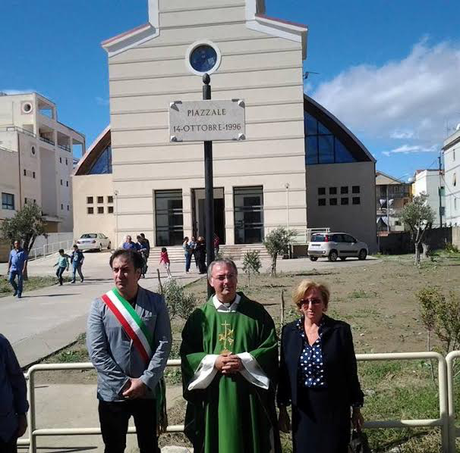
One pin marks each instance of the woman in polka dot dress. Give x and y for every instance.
(318, 376)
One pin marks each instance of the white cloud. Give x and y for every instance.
(409, 149)
(101, 101)
(412, 99)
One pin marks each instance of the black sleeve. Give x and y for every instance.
(284, 386)
(356, 395)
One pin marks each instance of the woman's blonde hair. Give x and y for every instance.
(307, 285)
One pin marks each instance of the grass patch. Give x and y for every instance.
(31, 284)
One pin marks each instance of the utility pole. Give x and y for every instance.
(209, 188)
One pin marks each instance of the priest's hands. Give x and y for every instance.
(134, 388)
(228, 364)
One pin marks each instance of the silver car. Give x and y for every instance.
(336, 245)
(93, 241)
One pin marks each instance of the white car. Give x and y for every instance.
(336, 245)
(93, 241)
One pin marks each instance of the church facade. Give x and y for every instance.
(298, 166)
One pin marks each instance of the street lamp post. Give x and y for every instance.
(116, 217)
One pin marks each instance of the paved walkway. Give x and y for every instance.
(48, 319)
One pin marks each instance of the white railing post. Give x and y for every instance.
(450, 398)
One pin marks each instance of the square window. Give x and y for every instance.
(66, 161)
(356, 189)
(321, 202)
(62, 206)
(332, 190)
(90, 210)
(356, 200)
(89, 200)
(100, 199)
(67, 183)
(68, 208)
(344, 190)
(25, 200)
(344, 201)
(25, 172)
(333, 201)
(110, 209)
(100, 209)
(110, 199)
(60, 160)
(321, 191)
(33, 175)
(8, 201)
(61, 182)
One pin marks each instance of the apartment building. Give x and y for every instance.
(431, 183)
(391, 195)
(36, 159)
(451, 178)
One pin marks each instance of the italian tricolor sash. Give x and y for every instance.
(131, 322)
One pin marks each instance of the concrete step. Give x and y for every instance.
(235, 252)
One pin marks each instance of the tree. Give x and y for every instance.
(251, 264)
(179, 302)
(25, 226)
(419, 217)
(277, 243)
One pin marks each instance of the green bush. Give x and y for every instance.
(251, 264)
(179, 303)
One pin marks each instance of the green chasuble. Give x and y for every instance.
(231, 415)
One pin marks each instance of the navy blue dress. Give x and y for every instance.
(321, 383)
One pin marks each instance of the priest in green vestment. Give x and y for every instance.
(229, 357)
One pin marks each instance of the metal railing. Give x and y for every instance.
(47, 140)
(446, 419)
(50, 249)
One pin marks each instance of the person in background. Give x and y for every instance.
(146, 243)
(187, 253)
(164, 259)
(216, 245)
(192, 246)
(77, 259)
(141, 247)
(17, 264)
(13, 400)
(129, 244)
(200, 253)
(62, 264)
(318, 376)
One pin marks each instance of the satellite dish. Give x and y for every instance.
(457, 128)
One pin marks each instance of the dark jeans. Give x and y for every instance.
(114, 419)
(59, 272)
(17, 287)
(188, 261)
(77, 268)
(10, 446)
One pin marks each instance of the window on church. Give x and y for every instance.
(103, 164)
(322, 146)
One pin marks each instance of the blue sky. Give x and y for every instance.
(389, 70)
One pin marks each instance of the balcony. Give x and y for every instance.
(47, 140)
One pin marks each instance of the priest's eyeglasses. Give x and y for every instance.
(307, 302)
(223, 277)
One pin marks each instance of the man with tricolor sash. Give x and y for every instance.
(129, 340)
(229, 358)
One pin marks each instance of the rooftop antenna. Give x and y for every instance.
(306, 74)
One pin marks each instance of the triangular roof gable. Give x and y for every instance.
(93, 152)
(255, 20)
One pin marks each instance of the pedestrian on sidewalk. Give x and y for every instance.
(62, 264)
(17, 264)
(13, 400)
(188, 253)
(129, 340)
(77, 259)
(164, 259)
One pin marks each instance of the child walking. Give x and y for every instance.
(62, 264)
(164, 259)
